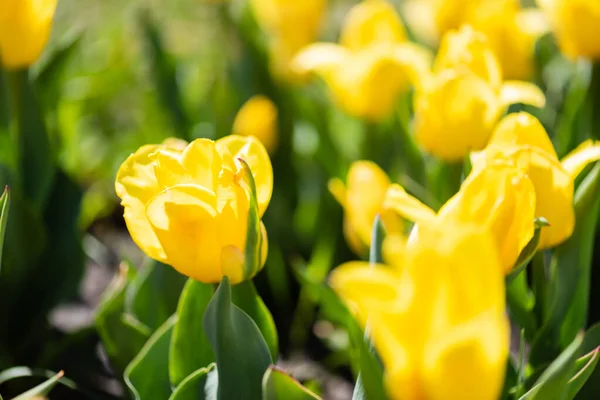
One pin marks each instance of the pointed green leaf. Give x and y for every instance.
(252, 253)
(377, 236)
(241, 352)
(122, 341)
(591, 342)
(4, 205)
(199, 385)
(552, 384)
(529, 251)
(147, 377)
(190, 349)
(42, 389)
(277, 385)
(584, 368)
(369, 365)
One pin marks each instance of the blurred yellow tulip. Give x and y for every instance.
(457, 108)
(189, 207)
(500, 198)
(361, 197)
(447, 286)
(373, 63)
(258, 117)
(576, 24)
(24, 30)
(290, 25)
(520, 139)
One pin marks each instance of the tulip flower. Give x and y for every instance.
(500, 198)
(520, 139)
(459, 105)
(24, 30)
(437, 318)
(371, 66)
(576, 24)
(189, 208)
(258, 117)
(290, 26)
(362, 198)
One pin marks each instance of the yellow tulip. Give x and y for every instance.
(290, 25)
(24, 30)
(361, 198)
(576, 24)
(258, 117)
(500, 198)
(189, 207)
(371, 66)
(447, 286)
(459, 105)
(520, 139)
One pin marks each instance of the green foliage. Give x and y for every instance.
(199, 385)
(277, 385)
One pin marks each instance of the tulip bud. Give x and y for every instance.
(258, 117)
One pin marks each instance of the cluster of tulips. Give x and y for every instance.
(490, 226)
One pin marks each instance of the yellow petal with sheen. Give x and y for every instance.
(522, 129)
(407, 206)
(321, 58)
(258, 117)
(519, 92)
(203, 163)
(586, 153)
(136, 184)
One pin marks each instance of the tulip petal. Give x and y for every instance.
(407, 206)
(320, 58)
(184, 219)
(202, 162)
(251, 150)
(415, 61)
(338, 190)
(519, 92)
(522, 129)
(586, 153)
(136, 184)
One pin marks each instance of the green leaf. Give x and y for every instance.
(35, 151)
(252, 252)
(241, 352)
(520, 301)
(585, 367)
(4, 205)
(245, 296)
(377, 236)
(552, 384)
(42, 389)
(153, 296)
(147, 377)
(529, 251)
(591, 342)
(277, 385)
(190, 349)
(371, 370)
(199, 385)
(570, 274)
(121, 340)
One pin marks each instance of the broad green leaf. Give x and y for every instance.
(241, 352)
(122, 341)
(520, 301)
(36, 162)
(277, 385)
(591, 342)
(377, 236)
(552, 384)
(252, 252)
(199, 385)
(584, 367)
(529, 251)
(147, 377)
(570, 273)
(153, 295)
(4, 205)
(245, 296)
(42, 389)
(190, 349)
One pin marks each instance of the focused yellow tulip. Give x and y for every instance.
(459, 105)
(520, 139)
(189, 207)
(290, 25)
(576, 24)
(447, 286)
(24, 30)
(500, 198)
(362, 198)
(258, 117)
(373, 63)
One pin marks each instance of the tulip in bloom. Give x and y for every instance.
(576, 24)
(459, 105)
(24, 30)
(362, 198)
(371, 66)
(258, 117)
(189, 207)
(499, 198)
(520, 139)
(437, 318)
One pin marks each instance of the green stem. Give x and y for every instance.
(448, 180)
